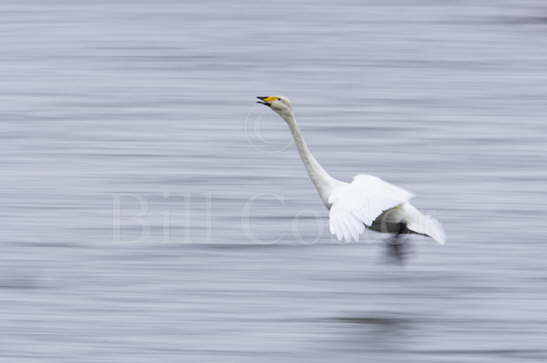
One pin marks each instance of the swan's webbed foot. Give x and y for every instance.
(398, 248)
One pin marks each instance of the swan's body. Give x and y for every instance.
(366, 202)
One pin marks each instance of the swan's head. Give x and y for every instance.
(279, 104)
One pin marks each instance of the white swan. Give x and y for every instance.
(366, 202)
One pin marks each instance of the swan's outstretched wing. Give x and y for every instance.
(359, 203)
(426, 225)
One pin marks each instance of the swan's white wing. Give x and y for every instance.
(359, 203)
(424, 224)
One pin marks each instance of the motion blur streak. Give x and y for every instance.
(144, 195)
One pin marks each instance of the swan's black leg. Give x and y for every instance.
(397, 247)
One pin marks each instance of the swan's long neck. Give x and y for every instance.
(320, 178)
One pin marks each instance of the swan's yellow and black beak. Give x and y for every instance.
(267, 100)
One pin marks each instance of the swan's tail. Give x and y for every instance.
(428, 226)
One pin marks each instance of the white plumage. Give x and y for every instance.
(369, 201)
(359, 203)
(366, 202)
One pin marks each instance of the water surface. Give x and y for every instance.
(152, 212)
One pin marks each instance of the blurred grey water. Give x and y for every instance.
(152, 212)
